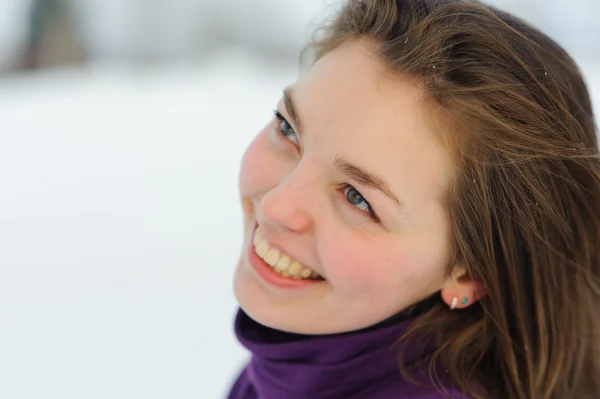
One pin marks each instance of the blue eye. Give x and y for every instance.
(358, 201)
(285, 129)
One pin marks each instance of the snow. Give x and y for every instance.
(120, 226)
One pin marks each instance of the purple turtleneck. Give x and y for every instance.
(356, 365)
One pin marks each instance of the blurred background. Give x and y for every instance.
(122, 124)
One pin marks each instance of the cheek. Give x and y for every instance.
(374, 267)
(356, 265)
(256, 163)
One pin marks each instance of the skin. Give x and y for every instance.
(350, 107)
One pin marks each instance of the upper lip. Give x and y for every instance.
(273, 244)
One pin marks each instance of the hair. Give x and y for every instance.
(513, 109)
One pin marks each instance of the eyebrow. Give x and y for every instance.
(291, 109)
(365, 177)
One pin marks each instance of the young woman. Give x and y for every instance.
(422, 215)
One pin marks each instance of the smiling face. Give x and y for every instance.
(344, 189)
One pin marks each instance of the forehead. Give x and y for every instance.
(354, 107)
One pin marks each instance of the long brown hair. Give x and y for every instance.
(513, 109)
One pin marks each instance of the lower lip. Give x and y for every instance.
(267, 273)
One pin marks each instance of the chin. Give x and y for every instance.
(288, 317)
(299, 311)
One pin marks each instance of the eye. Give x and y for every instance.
(285, 129)
(356, 199)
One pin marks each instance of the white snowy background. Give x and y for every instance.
(119, 216)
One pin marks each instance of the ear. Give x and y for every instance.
(460, 290)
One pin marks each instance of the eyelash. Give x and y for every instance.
(371, 214)
(281, 119)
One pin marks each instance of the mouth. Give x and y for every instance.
(277, 267)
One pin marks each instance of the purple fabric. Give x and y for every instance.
(357, 365)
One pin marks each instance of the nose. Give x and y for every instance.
(288, 204)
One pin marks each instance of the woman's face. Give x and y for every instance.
(342, 195)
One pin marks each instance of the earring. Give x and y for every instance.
(454, 303)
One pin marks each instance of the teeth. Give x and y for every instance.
(305, 273)
(295, 268)
(272, 257)
(262, 248)
(256, 238)
(281, 263)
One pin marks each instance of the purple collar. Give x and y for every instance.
(285, 365)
